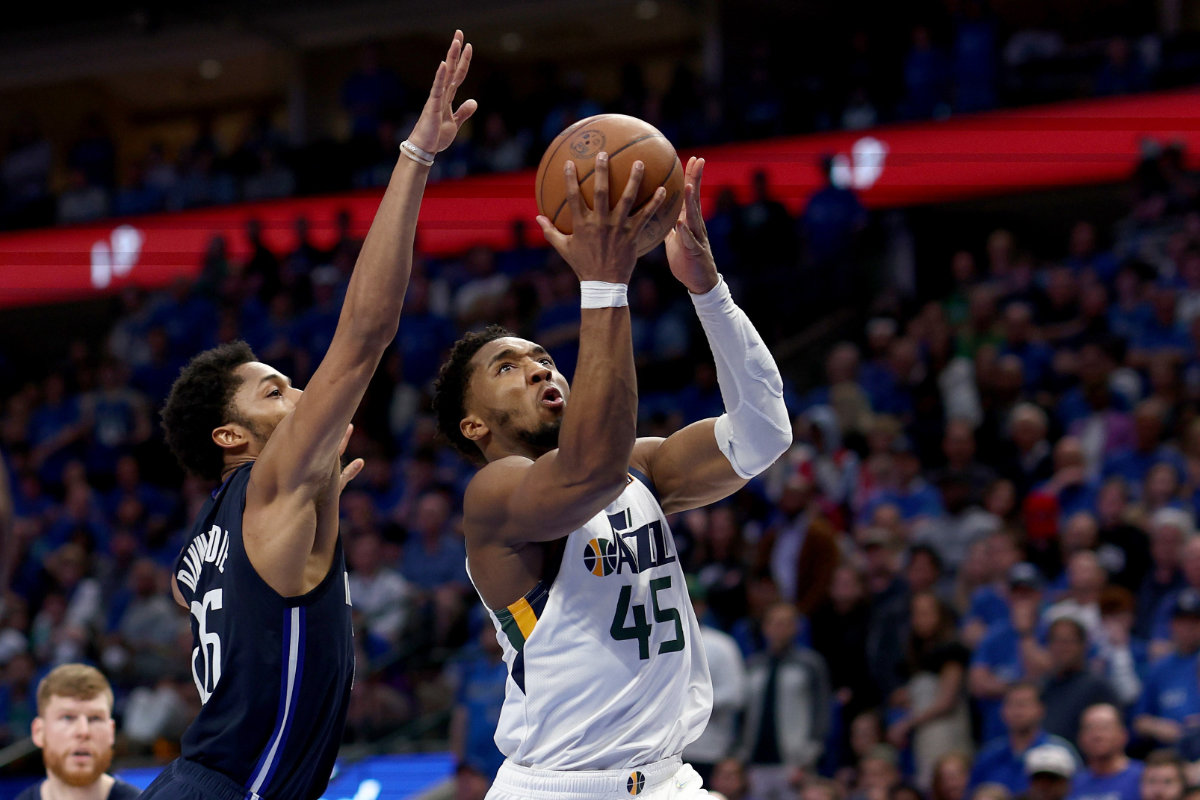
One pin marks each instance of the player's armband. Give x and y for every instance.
(754, 430)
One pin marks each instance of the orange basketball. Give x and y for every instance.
(626, 140)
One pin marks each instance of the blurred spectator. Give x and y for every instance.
(477, 704)
(787, 708)
(729, 780)
(728, 672)
(1070, 687)
(1002, 760)
(926, 78)
(1163, 776)
(975, 57)
(26, 174)
(934, 698)
(1012, 650)
(1122, 71)
(371, 94)
(1169, 529)
(1108, 773)
(950, 776)
(380, 594)
(1169, 708)
(1122, 658)
(1050, 769)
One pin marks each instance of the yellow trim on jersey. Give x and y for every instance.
(524, 615)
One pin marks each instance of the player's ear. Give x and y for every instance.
(37, 732)
(230, 435)
(474, 428)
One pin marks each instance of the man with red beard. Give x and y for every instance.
(75, 730)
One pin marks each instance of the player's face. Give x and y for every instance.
(264, 398)
(518, 393)
(76, 737)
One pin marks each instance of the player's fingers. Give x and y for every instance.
(625, 204)
(574, 198)
(600, 183)
(439, 84)
(464, 112)
(686, 237)
(350, 472)
(463, 65)
(554, 237)
(696, 168)
(346, 438)
(649, 209)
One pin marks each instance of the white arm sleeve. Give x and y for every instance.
(755, 430)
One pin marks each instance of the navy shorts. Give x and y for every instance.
(187, 780)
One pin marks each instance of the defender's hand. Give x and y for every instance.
(688, 251)
(603, 244)
(351, 470)
(439, 124)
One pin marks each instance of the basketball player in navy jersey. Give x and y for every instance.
(567, 539)
(263, 575)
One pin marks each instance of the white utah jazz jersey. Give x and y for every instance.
(606, 668)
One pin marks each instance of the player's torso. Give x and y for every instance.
(273, 673)
(606, 666)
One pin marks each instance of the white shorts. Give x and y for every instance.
(665, 780)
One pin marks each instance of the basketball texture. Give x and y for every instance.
(626, 140)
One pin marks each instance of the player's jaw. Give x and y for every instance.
(79, 763)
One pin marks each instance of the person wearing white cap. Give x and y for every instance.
(1050, 768)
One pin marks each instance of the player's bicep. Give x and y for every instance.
(516, 500)
(687, 468)
(301, 451)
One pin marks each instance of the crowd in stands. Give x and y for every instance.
(980, 552)
(910, 62)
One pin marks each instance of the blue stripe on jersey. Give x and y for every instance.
(289, 690)
(641, 476)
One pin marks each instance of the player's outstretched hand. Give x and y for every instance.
(354, 467)
(603, 243)
(688, 251)
(439, 123)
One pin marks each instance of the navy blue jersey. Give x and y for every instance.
(274, 673)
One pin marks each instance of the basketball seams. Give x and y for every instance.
(563, 137)
(587, 176)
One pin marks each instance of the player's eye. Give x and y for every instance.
(505, 367)
(546, 360)
(275, 393)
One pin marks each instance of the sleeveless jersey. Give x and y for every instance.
(606, 665)
(274, 673)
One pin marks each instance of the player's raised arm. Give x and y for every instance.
(534, 490)
(301, 456)
(713, 458)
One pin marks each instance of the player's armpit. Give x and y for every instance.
(515, 500)
(687, 468)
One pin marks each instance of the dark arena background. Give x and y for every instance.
(969, 231)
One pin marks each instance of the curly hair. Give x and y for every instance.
(201, 399)
(450, 388)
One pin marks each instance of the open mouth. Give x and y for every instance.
(551, 397)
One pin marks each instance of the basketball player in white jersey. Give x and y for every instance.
(567, 538)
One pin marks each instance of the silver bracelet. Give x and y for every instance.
(418, 155)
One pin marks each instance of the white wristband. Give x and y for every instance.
(601, 294)
(422, 157)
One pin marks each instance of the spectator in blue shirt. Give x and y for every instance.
(477, 707)
(1002, 760)
(1050, 768)
(1010, 652)
(1148, 448)
(1108, 773)
(1169, 711)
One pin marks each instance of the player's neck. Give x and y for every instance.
(232, 464)
(55, 789)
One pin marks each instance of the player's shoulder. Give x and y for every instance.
(32, 792)
(123, 791)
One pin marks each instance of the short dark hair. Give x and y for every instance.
(450, 388)
(200, 400)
